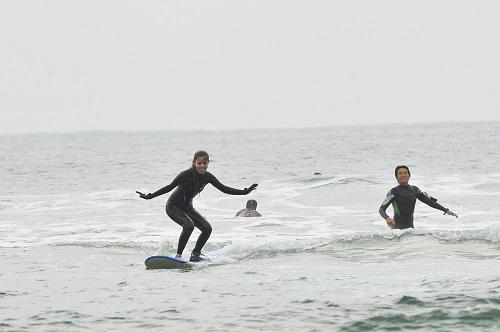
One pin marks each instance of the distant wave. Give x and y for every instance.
(490, 234)
(320, 181)
(287, 244)
(143, 246)
(268, 243)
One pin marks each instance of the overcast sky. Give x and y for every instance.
(145, 65)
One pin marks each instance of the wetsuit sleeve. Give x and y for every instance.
(225, 189)
(168, 187)
(431, 201)
(385, 204)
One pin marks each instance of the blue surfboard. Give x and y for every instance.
(166, 262)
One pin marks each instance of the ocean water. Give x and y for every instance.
(74, 235)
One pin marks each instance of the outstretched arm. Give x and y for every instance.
(161, 191)
(231, 191)
(432, 202)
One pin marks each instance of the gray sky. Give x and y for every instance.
(133, 65)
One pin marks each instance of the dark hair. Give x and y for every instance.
(196, 177)
(251, 204)
(401, 166)
(199, 154)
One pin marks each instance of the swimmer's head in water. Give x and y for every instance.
(402, 173)
(252, 204)
(200, 161)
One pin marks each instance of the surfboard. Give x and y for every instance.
(166, 262)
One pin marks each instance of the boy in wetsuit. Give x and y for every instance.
(403, 199)
(180, 208)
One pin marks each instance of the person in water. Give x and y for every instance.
(250, 210)
(180, 208)
(403, 199)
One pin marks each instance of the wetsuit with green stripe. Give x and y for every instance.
(403, 199)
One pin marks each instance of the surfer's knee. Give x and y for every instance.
(188, 226)
(207, 229)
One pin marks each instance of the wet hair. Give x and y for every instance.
(201, 153)
(196, 177)
(401, 166)
(251, 204)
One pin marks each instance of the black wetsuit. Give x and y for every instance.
(180, 204)
(403, 199)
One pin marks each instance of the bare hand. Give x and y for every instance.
(451, 213)
(390, 222)
(144, 196)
